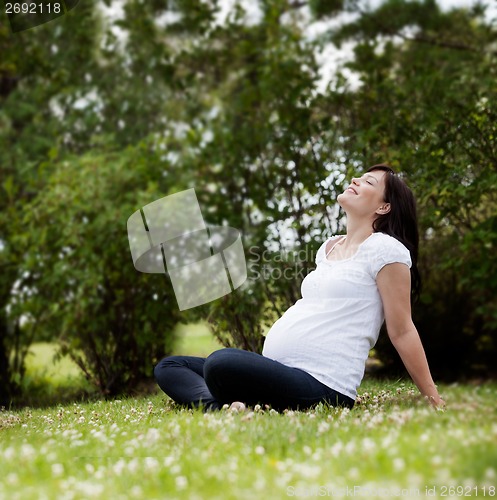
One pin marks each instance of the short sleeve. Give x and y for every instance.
(389, 251)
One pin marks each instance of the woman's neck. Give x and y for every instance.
(357, 232)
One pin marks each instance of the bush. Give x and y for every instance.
(80, 285)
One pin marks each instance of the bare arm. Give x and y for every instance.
(394, 285)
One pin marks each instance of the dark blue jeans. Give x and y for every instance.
(231, 375)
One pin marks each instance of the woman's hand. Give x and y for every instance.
(437, 402)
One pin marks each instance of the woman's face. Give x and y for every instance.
(365, 195)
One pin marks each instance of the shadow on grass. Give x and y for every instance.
(40, 392)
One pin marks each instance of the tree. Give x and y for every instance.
(256, 148)
(173, 99)
(29, 79)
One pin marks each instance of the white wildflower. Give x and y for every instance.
(350, 448)
(153, 435)
(337, 448)
(100, 473)
(282, 480)
(136, 491)
(90, 489)
(133, 465)
(260, 484)
(119, 467)
(308, 471)
(57, 470)
(12, 479)
(490, 473)
(181, 482)
(368, 444)
(323, 427)
(354, 473)
(27, 451)
(151, 463)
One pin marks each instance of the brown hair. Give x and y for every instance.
(401, 221)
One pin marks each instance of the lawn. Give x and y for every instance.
(390, 445)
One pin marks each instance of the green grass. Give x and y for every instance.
(40, 362)
(147, 448)
(390, 445)
(195, 340)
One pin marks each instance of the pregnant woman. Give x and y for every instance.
(317, 351)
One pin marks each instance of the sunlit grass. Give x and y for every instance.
(390, 445)
(148, 448)
(195, 340)
(40, 361)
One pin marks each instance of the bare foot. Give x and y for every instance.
(237, 407)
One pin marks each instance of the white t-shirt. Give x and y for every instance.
(329, 331)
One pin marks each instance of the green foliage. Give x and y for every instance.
(427, 106)
(36, 66)
(232, 320)
(114, 322)
(263, 167)
(99, 117)
(322, 8)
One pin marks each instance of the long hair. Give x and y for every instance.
(401, 221)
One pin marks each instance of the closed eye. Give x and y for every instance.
(369, 179)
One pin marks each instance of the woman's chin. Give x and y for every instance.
(341, 199)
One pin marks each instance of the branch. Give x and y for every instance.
(297, 5)
(417, 38)
(439, 43)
